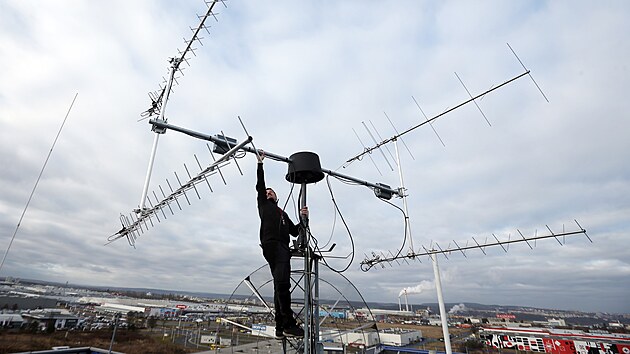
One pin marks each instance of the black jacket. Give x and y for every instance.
(275, 224)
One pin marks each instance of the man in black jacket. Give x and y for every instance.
(275, 228)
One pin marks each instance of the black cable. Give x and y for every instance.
(347, 229)
(288, 197)
(285, 204)
(332, 230)
(347, 181)
(297, 214)
(405, 218)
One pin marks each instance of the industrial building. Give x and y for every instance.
(390, 336)
(51, 318)
(555, 341)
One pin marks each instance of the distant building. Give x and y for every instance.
(391, 336)
(332, 314)
(556, 322)
(473, 320)
(11, 320)
(358, 339)
(400, 337)
(555, 341)
(435, 321)
(118, 308)
(366, 339)
(51, 318)
(163, 312)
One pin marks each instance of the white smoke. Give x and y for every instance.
(457, 308)
(418, 289)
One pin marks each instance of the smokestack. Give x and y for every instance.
(418, 289)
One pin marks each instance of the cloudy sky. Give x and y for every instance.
(302, 76)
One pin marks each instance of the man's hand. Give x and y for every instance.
(304, 212)
(260, 156)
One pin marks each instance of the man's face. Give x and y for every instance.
(272, 195)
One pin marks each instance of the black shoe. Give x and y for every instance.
(293, 331)
(279, 334)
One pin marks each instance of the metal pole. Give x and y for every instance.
(158, 132)
(111, 343)
(318, 348)
(438, 287)
(307, 273)
(147, 179)
(403, 195)
(268, 154)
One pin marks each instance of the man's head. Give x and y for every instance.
(272, 195)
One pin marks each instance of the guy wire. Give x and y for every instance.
(41, 172)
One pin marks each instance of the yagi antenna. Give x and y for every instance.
(430, 120)
(159, 100)
(433, 252)
(133, 226)
(369, 262)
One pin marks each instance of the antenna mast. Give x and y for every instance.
(404, 196)
(158, 131)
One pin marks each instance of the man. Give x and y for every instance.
(275, 228)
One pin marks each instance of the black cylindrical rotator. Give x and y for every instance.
(304, 168)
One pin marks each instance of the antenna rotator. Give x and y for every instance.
(384, 192)
(304, 168)
(223, 144)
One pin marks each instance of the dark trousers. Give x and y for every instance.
(279, 258)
